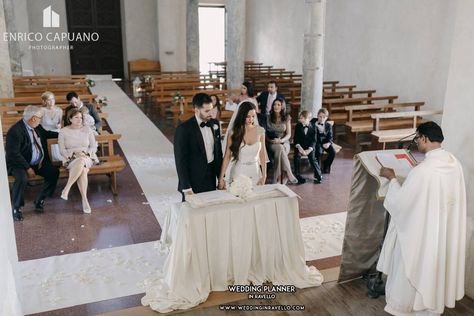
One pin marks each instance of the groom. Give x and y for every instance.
(198, 150)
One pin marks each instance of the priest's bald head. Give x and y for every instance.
(429, 136)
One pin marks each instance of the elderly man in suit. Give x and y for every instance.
(198, 150)
(27, 155)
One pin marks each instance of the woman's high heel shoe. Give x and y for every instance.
(63, 196)
(86, 208)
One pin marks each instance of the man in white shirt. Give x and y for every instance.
(424, 250)
(198, 150)
(266, 98)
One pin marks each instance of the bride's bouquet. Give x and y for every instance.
(241, 186)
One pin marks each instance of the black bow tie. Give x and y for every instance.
(322, 124)
(208, 124)
(305, 126)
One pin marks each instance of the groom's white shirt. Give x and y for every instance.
(208, 138)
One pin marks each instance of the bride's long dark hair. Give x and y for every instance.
(238, 130)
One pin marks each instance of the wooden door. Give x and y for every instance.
(104, 56)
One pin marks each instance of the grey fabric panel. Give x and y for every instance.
(364, 225)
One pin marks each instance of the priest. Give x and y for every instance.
(423, 254)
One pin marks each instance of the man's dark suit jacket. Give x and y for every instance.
(263, 98)
(92, 112)
(18, 145)
(190, 155)
(305, 141)
(322, 138)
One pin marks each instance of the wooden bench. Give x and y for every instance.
(143, 67)
(36, 100)
(336, 107)
(110, 163)
(382, 137)
(357, 126)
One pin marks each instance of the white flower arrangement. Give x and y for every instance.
(241, 186)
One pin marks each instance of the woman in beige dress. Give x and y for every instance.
(278, 138)
(78, 149)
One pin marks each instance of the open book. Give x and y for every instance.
(398, 159)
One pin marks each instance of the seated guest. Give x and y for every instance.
(324, 140)
(278, 139)
(27, 155)
(51, 121)
(246, 94)
(216, 107)
(305, 141)
(76, 103)
(78, 149)
(266, 98)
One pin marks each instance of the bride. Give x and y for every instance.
(246, 147)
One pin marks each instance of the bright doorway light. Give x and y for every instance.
(211, 36)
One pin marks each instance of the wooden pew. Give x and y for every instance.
(36, 100)
(357, 125)
(110, 163)
(336, 110)
(381, 137)
(142, 67)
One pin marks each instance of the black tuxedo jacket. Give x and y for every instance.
(18, 145)
(305, 141)
(92, 112)
(262, 101)
(190, 154)
(322, 138)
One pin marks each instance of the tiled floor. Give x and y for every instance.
(64, 228)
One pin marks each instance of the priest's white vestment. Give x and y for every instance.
(423, 253)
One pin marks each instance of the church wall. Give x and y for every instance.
(48, 62)
(172, 34)
(397, 47)
(140, 28)
(9, 300)
(457, 118)
(22, 25)
(275, 33)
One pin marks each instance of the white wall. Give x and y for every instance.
(397, 47)
(49, 62)
(172, 34)
(140, 28)
(458, 112)
(275, 32)
(9, 301)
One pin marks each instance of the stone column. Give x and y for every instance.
(192, 35)
(313, 56)
(235, 50)
(6, 85)
(14, 47)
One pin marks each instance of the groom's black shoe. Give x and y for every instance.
(301, 180)
(39, 206)
(17, 215)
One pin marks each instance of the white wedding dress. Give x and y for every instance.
(249, 160)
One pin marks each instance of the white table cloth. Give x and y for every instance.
(221, 245)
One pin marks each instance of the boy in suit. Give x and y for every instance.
(305, 141)
(324, 140)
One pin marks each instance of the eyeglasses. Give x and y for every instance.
(416, 138)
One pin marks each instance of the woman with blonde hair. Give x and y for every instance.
(51, 120)
(78, 149)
